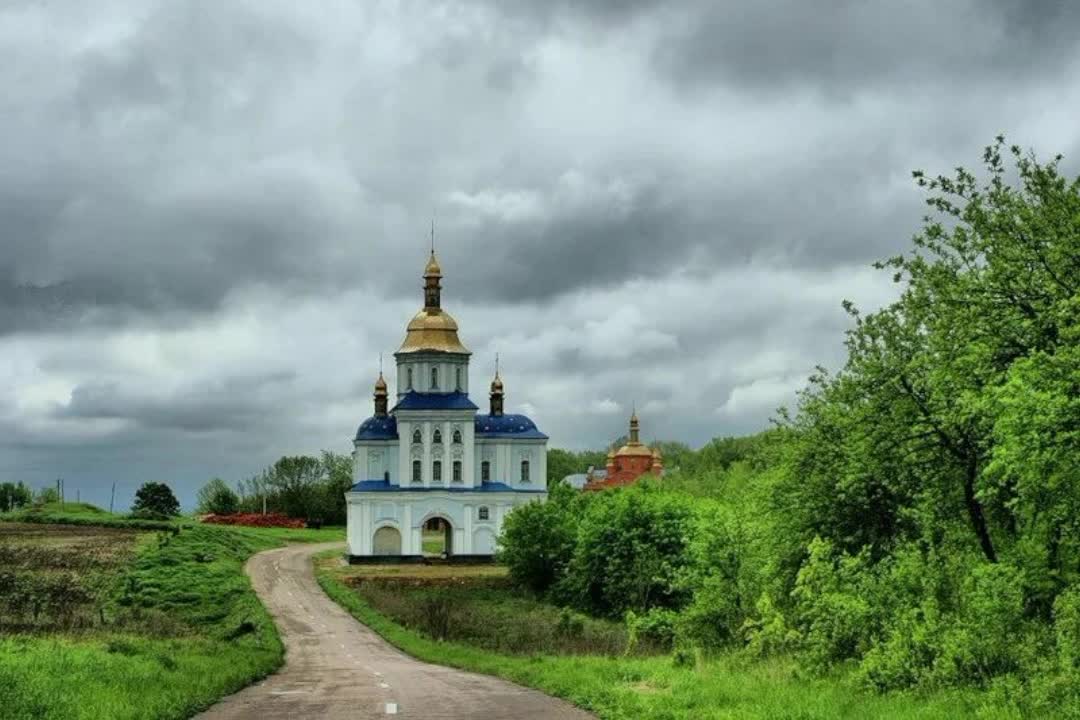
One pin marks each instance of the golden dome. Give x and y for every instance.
(497, 384)
(380, 384)
(434, 330)
(432, 268)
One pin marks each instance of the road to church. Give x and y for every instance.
(337, 668)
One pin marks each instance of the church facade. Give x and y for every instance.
(433, 462)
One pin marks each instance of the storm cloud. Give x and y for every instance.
(213, 218)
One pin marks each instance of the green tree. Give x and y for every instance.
(296, 480)
(155, 500)
(14, 496)
(218, 498)
(537, 539)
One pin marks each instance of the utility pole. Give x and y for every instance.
(264, 504)
(112, 496)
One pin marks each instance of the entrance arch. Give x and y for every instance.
(437, 536)
(386, 541)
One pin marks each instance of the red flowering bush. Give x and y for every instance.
(255, 520)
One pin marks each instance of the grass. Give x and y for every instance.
(179, 628)
(479, 605)
(618, 687)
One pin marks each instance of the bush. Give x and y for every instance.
(537, 539)
(630, 550)
(217, 498)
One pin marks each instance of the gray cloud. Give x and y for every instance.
(213, 219)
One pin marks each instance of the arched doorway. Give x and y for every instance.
(436, 537)
(387, 541)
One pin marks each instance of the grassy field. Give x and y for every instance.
(130, 623)
(616, 686)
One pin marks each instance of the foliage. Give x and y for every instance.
(538, 539)
(254, 520)
(217, 498)
(155, 501)
(14, 496)
(619, 687)
(561, 463)
(301, 487)
(628, 553)
(915, 518)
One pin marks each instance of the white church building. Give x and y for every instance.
(432, 462)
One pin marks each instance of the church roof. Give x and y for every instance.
(434, 401)
(510, 426)
(385, 486)
(432, 330)
(378, 428)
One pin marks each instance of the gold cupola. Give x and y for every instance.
(634, 446)
(380, 396)
(432, 329)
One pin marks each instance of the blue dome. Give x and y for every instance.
(519, 426)
(378, 428)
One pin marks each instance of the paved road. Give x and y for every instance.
(337, 668)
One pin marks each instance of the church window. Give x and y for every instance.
(459, 379)
(485, 471)
(457, 471)
(524, 471)
(436, 438)
(408, 379)
(436, 471)
(417, 438)
(386, 476)
(434, 378)
(416, 471)
(483, 513)
(457, 437)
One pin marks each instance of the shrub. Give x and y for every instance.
(537, 539)
(630, 550)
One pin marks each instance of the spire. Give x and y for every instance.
(432, 277)
(634, 431)
(380, 393)
(497, 391)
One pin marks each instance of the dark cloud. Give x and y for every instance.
(842, 48)
(213, 218)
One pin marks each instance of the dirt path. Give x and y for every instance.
(337, 668)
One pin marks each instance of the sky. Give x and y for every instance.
(214, 216)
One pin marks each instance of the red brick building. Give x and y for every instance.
(627, 464)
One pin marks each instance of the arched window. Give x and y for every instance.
(457, 437)
(457, 471)
(434, 378)
(386, 476)
(524, 471)
(417, 438)
(436, 471)
(483, 513)
(416, 472)
(485, 471)
(459, 379)
(408, 379)
(436, 437)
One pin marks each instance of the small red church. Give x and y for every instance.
(627, 464)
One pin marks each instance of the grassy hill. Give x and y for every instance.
(101, 616)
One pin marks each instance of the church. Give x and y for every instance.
(432, 463)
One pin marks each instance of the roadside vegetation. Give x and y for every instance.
(112, 619)
(483, 624)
